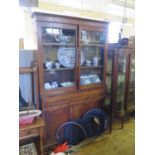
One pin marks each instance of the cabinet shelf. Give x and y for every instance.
(91, 67)
(93, 44)
(58, 69)
(58, 44)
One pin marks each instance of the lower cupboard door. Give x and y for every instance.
(53, 119)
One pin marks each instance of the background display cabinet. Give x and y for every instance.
(120, 83)
(71, 57)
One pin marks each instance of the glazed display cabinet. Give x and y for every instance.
(130, 96)
(120, 83)
(65, 66)
(72, 56)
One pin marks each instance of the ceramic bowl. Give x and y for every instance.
(27, 117)
(48, 64)
(47, 85)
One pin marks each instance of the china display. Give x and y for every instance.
(72, 67)
(60, 61)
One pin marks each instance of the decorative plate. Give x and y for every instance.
(66, 57)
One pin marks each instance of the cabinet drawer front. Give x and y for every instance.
(29, 133)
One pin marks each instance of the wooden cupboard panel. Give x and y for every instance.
(92, 105)
(56, 115)
(71, 98)
(77, 110)
(53, 119)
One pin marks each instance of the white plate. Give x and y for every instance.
(66, 57)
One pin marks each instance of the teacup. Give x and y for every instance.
(57, 64)
(88, 63)
(48, 64)
(95, 61)
(54, 85)
(47, 85)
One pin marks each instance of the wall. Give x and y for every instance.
(25, 80)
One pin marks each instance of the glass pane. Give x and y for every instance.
(107, 101)
(108, 83)
(59, 57)
(120, 84)
(92, 53)
(132, 75)
(109, 65)
(93, 37)
(121, 81)
(131, 95)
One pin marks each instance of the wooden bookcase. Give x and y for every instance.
(79, 46)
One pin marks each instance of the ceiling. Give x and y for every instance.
(108, 10)
(104, 9)
(84, 3)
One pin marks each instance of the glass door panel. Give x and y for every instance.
(109, 65)
(59, 57)
(109, 73)
(92, 56)
(107, 101)
(108, 83)
(131, 92)
(108, 80)
(121, 75)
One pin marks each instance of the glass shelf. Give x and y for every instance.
(58, 69)
(58, 44)
(93, 44)
(91, 67)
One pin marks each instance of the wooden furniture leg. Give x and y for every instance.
(110, 126)
(41, 142)
(122, 122)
